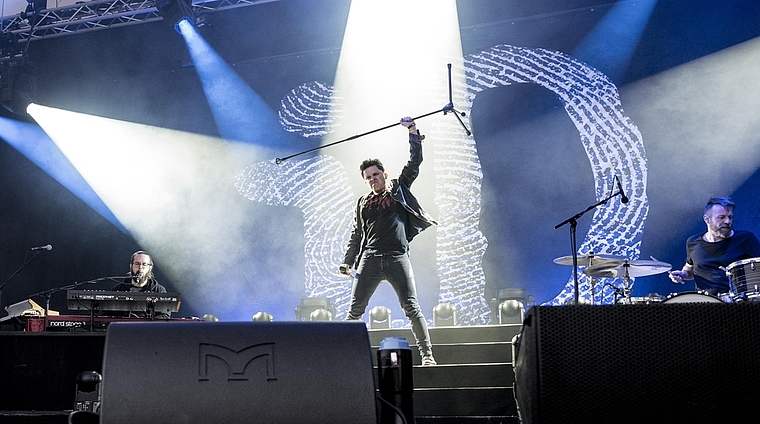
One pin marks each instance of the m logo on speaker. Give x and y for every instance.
(236, 361)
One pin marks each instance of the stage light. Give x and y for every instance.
(310, 305)
(444, 315)
(32, 10)
(231, 99)
(320, 315)
(184, 24)
(510, 305)
(511, 312)
(17, 85)
(262, 317)
(9, 45)
(175, 12)
(380, 317)
(210, 318)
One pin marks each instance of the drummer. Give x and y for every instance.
(708, 254)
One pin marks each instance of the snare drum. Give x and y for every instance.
(630, 301)
(744, 278)
(692, 297)
(646, 300)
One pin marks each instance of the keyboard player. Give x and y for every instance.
(141, 277)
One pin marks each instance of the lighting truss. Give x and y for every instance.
(94, 15)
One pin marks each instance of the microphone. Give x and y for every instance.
(46, 247)
(138, 276)
(623, 197)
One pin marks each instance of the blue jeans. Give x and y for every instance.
(397, 270)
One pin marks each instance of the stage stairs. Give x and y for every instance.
(473, 381)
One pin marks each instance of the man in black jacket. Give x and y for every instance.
(385, 221)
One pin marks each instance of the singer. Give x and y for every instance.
(141, 275)
(385, 220)
(717, 248)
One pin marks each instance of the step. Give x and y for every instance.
(467, 420)
(447, 335)
(464, 376)
(463, 353)
(464, 401)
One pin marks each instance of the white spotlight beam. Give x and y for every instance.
(384, 74)
(702, 117)
(173, 191)
(394, 63)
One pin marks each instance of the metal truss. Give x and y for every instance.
(93, 15)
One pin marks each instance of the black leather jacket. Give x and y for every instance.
(418, 221)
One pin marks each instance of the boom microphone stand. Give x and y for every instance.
(573, 221)
(446, 109)
(26, 261)
(47, 294)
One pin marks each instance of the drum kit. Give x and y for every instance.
(613, 266)
(743, 276)
(744, 280)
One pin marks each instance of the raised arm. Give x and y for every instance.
(412, 168)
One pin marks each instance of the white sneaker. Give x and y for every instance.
(428, 361)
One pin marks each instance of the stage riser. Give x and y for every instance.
(473, 383)
(467, 420)
(466, 353)
(481, 401)
(450, 335)
(460, 376)
(62, 419)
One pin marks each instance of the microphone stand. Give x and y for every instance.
(573, 221)
(47, 294)
(26, 261)
(446, 109)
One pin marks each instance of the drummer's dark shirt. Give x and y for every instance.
(707, 258)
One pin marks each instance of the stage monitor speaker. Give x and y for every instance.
(656, 363)
(240, 372)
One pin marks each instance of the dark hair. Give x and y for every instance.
(371, 162)
(721, 201)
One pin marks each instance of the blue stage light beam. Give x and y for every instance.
(611, 44)
(239, 112)
(241, 115)
(32, 142)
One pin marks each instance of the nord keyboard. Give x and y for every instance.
(114, 301)
(86, 323)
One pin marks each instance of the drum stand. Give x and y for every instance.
(627, 287)
(637, 268)
(573, 221)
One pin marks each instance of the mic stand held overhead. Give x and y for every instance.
(446, 109)
(573, 221)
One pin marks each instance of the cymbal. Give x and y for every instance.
(637, 268)
(591, 260)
